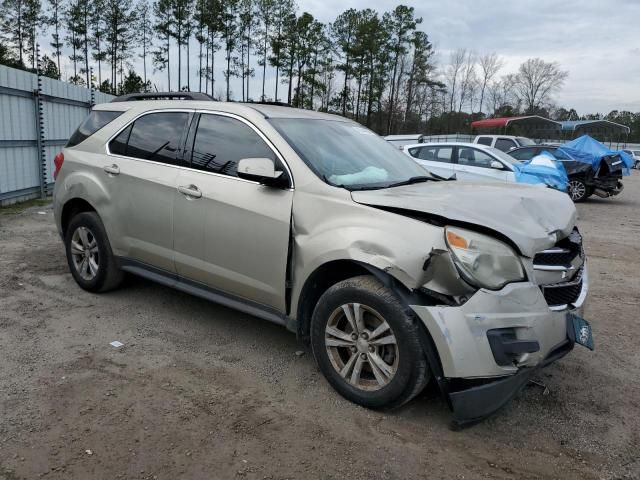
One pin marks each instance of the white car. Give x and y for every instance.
(503, 142)
(635, 154)
(401, 140)
(469, 161)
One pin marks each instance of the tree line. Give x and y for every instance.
(377, 68)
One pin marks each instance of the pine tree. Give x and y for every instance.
(265, 10)
(284, 12)
(230, 36)
(144, 33)
(33, 20)
(119, 21)
(402, 24)
(344, 31)
(162, 27)
(12, 24)
(74, 27)
(57, 9)
(97, 28)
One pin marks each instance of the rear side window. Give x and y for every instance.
(94, 122)
(433, 154)
(505, 144)
(156, 136)
(484, 141)
(222, 141)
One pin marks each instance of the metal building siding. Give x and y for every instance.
(20, 163)
(17, 120)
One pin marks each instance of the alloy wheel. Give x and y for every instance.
(361, 346)
(85, 253)
(577, 190)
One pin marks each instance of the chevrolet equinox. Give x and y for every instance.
(393, 276)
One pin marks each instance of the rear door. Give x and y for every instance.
(142, 170)
(231, 234)
(474, 165)
(438, 159)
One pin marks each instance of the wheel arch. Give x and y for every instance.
(71, 208)
(332, 272)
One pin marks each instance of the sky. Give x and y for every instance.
(596, 41)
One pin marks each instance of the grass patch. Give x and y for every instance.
(22, 206)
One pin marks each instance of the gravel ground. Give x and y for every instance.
(200, 391)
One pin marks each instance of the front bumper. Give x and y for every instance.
(460, 337)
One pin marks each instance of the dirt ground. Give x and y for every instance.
(200, 391)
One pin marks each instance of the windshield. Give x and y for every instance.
(525, 142)
(502, 156)
(345, 154)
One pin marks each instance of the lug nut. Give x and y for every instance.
(354, 336)
(364, 335)
(372, 348)
(363, 356)
(353, 349)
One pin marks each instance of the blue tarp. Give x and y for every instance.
(554, 176)
(585, 149)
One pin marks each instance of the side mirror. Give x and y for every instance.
(497, 165)
(261, 170)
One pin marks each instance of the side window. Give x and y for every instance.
(484, 141)
(155, 136)
(118, 145)
(505, 144)
(474, 158)
(523, 153)
(434, 154)
(221, 142)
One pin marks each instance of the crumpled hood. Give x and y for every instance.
(528, 215)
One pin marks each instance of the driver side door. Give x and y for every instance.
(231, 234)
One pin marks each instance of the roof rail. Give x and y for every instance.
(266, 102)
(132, 97)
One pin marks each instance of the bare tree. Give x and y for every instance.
(501, 93)
(467, 78)
(536, 80)
(490, 64)
(452, 72)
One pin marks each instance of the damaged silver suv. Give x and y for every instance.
(311, 221)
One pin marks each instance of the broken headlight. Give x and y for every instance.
(482, 260)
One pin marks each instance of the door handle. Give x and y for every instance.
(190, 191)
(112, 169)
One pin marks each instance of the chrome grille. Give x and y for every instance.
(559, 271)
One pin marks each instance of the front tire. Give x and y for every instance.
(367, 344)
(89, 254)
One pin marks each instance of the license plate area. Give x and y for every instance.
(581, 330)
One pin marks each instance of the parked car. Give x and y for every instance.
(315, 223)
(635, 154)
(479, 163)
(583, 180)
(401, 140)
(503, 142)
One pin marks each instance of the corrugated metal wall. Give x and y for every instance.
(23, 171)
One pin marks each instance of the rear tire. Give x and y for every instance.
(367, 344)
(89, 254)
(578, 190)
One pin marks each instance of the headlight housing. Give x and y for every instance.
(482, 260)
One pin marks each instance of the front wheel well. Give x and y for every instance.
(328, 275)
(71, 209)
